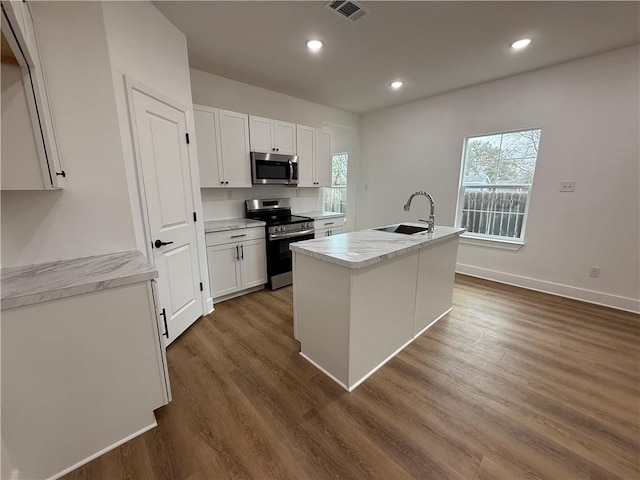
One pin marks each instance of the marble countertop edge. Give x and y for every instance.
(31, 284)
(388, 245)
(225, 224)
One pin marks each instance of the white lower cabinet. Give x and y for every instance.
(328, 227)
(237, 261)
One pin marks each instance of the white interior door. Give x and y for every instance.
(160, 131)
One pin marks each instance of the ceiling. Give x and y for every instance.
(434, 47)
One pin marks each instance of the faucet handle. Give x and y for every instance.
(423, 220)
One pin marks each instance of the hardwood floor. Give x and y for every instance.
(512, 384)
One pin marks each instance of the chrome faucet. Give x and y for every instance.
(432, 218)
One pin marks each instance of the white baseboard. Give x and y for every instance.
(103, 451)
(237, 294)
(575, 293)
(380, 365)
(324, 371)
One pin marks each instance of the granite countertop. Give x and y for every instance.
(42, 282)
(367, 247)
(320, 214)
(211, 226)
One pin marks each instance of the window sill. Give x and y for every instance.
(513, 245)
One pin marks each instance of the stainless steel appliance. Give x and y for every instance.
(282, 229)
(274, 169)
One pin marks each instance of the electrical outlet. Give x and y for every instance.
(594, 272)
(567, 186)
(229, 195)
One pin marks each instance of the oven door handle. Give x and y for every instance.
(278, 236)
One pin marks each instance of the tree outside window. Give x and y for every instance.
(496, 184)
(335, 197)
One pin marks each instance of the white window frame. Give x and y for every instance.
(496, 241)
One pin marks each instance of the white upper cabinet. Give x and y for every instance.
(314, 157)
(207, 125)
(222, 139)
(272, 136)
(29, 154)
(323, 158)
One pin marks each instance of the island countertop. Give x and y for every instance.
(368, 247)
(53, 280)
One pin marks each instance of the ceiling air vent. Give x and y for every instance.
(350, 10)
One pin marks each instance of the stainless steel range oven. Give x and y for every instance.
(282, 229)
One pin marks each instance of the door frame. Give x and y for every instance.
(132, 85)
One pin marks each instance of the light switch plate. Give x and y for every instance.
(567, 186)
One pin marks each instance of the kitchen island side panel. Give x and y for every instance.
(322, 292)
(436, 274)
(383, 300)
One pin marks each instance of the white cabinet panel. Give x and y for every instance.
(272, 136)
(208, 145)
(253, 263)
(222, 139)
(224, 271)
(323, 159)
(237, 260)
(306, 142)
(284, 137)
(18, 29)
(314, 152)
(234, 140)
(260, 134)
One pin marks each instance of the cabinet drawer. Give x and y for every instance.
(329, 223)
(237, 235)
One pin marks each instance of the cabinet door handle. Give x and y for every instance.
(166, 328)
(238, 236)
(237, 253)
(242, 252)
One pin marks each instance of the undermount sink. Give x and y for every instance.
(406, 229)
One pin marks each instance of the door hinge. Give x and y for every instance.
(195, 217)
(201, 287)
(61, 173)
(187, 135)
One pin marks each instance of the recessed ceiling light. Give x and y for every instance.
(520, 44)
(396, 85)
(314, 45)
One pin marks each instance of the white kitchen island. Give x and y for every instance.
(361, 297)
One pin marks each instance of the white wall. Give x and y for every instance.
(215, 91)
(589, 114)
(92, 215)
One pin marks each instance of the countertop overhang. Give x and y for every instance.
(31, 284)
(368, 247)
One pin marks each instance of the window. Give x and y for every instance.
(335, 197)
(496, 184)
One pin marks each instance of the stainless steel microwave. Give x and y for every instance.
(274, 169)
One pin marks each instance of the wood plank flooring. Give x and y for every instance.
(512, 384)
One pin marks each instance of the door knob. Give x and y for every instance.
(160, 243)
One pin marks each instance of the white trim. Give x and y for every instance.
(431, 324)
(324, 371)
(561, 290)
(103, 451)
(469, 239)
(210, 308)
(381, 364)
(240, 293)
